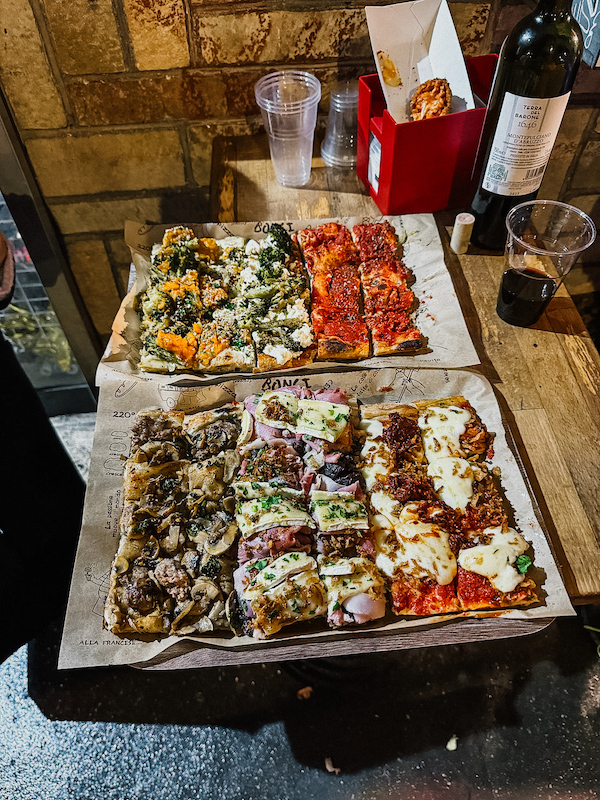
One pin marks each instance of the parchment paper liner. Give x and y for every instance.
(86, 644)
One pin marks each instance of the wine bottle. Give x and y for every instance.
(536, 69)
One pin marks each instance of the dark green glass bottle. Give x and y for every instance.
(536, 70)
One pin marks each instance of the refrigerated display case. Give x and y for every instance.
(46, 321)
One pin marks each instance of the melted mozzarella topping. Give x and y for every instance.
(495, 561)
(452, 481)
(375, 456)
(441, 429)
(417, 548)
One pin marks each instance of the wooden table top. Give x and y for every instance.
(547, 377)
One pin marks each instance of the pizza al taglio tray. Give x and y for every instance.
(435, 311)
(86, 643)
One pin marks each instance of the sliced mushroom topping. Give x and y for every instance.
(230, 465)
(121, 565)
(207, 479)
(181, 612)
(203, 592)
(220, 541)
(133, 548)
(229, 504)
(191, 562)
(232, 612)
(151, 549)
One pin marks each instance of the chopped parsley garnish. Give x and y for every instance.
(269, 502)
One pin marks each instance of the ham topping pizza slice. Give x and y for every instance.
(276, 592)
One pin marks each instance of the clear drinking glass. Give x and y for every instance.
(545, 239)
(288, 100)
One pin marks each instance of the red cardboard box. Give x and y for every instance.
(425, 165)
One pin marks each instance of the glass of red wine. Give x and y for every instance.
(545, 239)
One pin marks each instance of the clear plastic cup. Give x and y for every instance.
(339, 145)
(545, 239)
(288, 101)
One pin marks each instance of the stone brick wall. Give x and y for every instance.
(117, 103)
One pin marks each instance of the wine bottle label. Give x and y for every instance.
(522, 143)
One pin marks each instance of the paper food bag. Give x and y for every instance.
(412, 43)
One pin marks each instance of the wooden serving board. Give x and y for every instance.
(189, 656)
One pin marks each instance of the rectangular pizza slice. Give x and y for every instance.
(276, 592)
(384, 290)
(394, 332)
(173, 571)
(272, 303)
(332, 261)
(492, 571)
(379, 239)
(388, 301)
(415, 554)
(356, 592)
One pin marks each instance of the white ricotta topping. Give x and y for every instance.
(303, 335)
(280, 353)
(495, 561)
(252, 247)
(293, 311)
